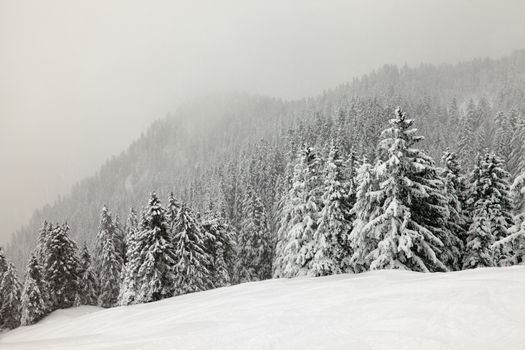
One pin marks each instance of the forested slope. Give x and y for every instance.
(213, 147)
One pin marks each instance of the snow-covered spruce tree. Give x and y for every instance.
(467, 137)
(42, 243)
(61, 268)
(128, 287)
(503, 134)
(492, 209)
(254, 253)
(514, 242)
(516, 163)
(366, 207)
(220, 246)
(191, 274)
(155, 258)
(301, 209)
(33, 305)
(456, 223)
(87, 293)
(9, 295)
(119, 238)
(331, 239)
(411, 222)
(108, 261)
(171, 212)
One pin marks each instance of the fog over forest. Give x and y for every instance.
(79, 81)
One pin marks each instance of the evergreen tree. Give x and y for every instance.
(331, 239)
(171, 213)
(34, 296)
(108, 261)
(61, 268)
(9, 295)
(467, 137)
(42, 243)
(410, 223)
(502, 146)
(514, 242)
(492, 213)
(220, 246)
(294, 250)
(155, 256)
(456, 222)
(191, 274)
(87, 284)
(128, 287)
(516, 163)
(365, 208)
(254, 256)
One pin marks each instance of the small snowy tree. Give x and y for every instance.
(331, 239)
(108, 261)
(87, 283)
(154, 256)
(128, 286)
(492, 213)
(302, 206)
(191, 274)
(254, 256)
(33, 304)
(61, 268)
(514, 242)
(220, 247)
(456, 222)
(9, 295)
(365, 208)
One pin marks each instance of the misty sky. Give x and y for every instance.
(79, 80)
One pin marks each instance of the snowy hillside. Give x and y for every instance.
(474, 309)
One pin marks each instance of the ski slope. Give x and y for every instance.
(475, 309)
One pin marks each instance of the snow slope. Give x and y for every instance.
(475, 309)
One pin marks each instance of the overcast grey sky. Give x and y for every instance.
(79, 80)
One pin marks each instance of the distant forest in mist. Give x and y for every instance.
(214, 147)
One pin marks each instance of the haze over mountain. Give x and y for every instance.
(79, 82)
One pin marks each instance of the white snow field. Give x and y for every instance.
(475, 309)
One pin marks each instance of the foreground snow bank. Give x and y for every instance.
(476, 309)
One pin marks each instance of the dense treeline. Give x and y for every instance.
(209, 149)
(280, 178)
(334, 215)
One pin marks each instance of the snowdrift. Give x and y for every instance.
(475, 309)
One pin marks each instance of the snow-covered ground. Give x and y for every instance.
(475, 309)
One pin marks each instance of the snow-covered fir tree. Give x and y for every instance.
(108, 260)
(254, 255)
(61, 267)
(155, 258)
(119, 238)
(34, 303)
(172, 209)
(514, 242)
(130, 269)
(42, 243)
(456, 223)
(301, 209)
(367, 204)
(411, 221)
(191, 273)
(220, 246)
(9, 294)
(331, 239)
(492, 208)
(87, 293)
(516, 163)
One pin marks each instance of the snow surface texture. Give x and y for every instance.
(474, 309)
